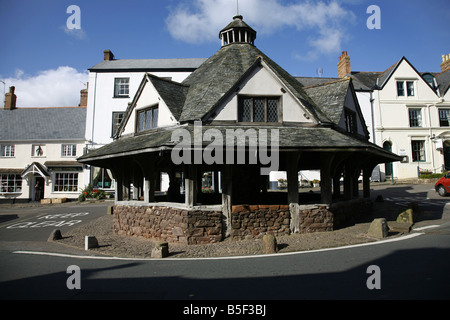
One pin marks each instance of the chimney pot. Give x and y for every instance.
(10, 99)
(343, 65)
(445, 65)
(108, 55)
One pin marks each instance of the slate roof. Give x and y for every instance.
(330, 97)
(187, 64)
(310, 138)
(22, 124)
(443, 82)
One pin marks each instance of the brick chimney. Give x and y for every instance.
(445, 65)
(344, 65)
(84, 96)
(10, 99)
(108, 55)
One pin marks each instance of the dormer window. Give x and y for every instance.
(258, 109)
(147, 119)
(350, 121)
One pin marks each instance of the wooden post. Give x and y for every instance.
(190, 178)
(292, 177)
(227, 189)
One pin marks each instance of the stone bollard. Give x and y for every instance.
(55, 235)
(378, 228)
(161, 250)
(270, 244)
(406, 216)
(90, 242)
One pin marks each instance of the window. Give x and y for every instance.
(415, 117)
(121, 87)
(65, 182)
(418, 150)
(444, 115)
(10, 183)
(7, 150)
(350, 121)
(37, 151)
(147, 119)
(258, 109)
(117, 118)
(68, 150)
(409, 88)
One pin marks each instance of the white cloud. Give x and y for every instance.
(50, 88)
(322, 24)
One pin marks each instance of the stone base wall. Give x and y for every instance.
(247, 221)
(168, 224)
(254, 221)
(315, 218)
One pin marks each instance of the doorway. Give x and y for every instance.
(388, 166)
(447, 155)
(38, 188)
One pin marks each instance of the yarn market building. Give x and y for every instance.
(219, 133)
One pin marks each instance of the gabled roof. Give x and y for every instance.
(222, 72)
(330, 97)
(22, 124)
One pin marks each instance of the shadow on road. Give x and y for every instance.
(405, 274)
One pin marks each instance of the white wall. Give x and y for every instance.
(391, 114)
(24, 156)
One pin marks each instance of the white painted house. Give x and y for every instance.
(112, 85)
(38, 152)
(406, 112)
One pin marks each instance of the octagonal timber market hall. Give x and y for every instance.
(219, 134)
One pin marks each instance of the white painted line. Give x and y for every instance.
(409, 236)
(426, 227)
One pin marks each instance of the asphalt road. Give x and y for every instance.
(413, 268)
(35, 223)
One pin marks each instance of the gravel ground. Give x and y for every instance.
(111, 244)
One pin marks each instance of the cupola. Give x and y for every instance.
(237, 32)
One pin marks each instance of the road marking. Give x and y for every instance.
(426, 227)
(409, 236)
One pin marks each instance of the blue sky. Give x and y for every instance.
(39, 54)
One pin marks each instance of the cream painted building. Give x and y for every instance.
(38, 151)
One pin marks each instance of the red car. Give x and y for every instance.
(442, 186)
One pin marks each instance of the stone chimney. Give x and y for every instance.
(344, 65)
(84, 96)
(10, 99)
(445, 65)
(108, 55)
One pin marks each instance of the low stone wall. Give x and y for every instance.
(315, 218)
(254, 221)
(195, 226)
(168, 224)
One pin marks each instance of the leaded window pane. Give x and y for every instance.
(272, 110)
(245, 112)
(258, 110)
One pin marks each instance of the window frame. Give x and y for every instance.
(418, 154)
(418, 119)
(351, 125)
(441, 111)
(7, 151)
(117, 88)
(5, 183)
(73, 150)
(153, 125)
(266, 99)
(64, 179)
(114, 123)
(407, 88)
